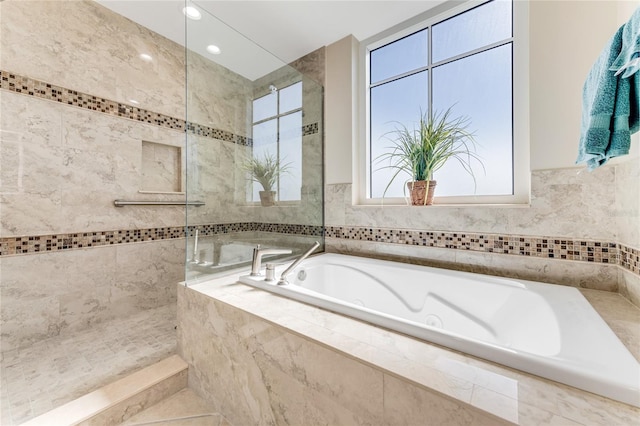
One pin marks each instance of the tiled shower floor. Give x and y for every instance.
(43, 376)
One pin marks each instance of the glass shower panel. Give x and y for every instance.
(246, 108)
(290, 151)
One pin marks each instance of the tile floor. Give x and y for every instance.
(37, 378)
(185, 408)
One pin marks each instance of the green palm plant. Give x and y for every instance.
(265, 170)
(422, 151)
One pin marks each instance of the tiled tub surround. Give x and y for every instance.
(260, 358)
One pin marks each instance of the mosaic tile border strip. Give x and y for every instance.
(520, 245)
(11, 246)
(40, 89)
(534, 246)
(629, 258)
(310, 129)
(209, 132)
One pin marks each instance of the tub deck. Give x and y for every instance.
(503, 392)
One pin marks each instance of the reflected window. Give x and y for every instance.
(277, 134)
(464, 62)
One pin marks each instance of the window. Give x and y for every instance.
(277, 133)
(464, 61)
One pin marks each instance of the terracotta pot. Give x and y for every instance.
(418, 192)
(267, 198)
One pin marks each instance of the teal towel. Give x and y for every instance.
(628, 61)
(609, 109)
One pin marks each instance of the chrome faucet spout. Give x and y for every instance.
(283, 277)
(256, 263)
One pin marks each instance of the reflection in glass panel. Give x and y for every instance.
(291, 155)
(222, 96)
(290, 98)
(479, 86)
(486, 24)
(399, 101)
(399, 57)
(265, 142)
(265, 107)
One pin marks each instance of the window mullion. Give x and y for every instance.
(474, 52)
(399, 76)
(430, 73)
(278, 143)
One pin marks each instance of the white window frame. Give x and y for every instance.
(520, 102)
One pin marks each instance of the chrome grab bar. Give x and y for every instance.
(122, 203)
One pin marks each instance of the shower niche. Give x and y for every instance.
(161, 167)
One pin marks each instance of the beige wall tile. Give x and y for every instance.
(107, 66)
(627, 206)
(405, 403)
(629, 286)
(255, 372)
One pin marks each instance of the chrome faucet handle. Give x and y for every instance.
(270, 272)
(256, 263)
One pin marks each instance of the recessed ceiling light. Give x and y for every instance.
(192, 13)
(145, 57)
(133, 101)
(213, 49)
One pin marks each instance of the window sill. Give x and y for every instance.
(394, 204)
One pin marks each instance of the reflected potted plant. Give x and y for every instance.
(265, 170)
(422, 151)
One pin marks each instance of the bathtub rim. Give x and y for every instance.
(570, 375)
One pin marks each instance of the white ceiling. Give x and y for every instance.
(284, 29)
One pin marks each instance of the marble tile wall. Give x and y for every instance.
(567, 203)
(71, 144)
(256, 372)
(627, 206)
(58, 293)
(95, 51)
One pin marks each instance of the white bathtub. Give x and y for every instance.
(548, 330)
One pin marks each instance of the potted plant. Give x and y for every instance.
(422, 151)
(265, 170)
